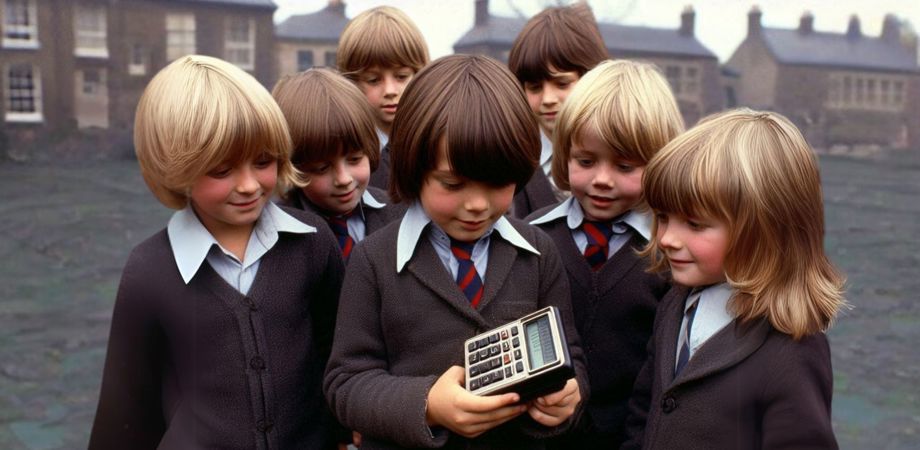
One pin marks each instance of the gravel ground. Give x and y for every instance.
(66, 232)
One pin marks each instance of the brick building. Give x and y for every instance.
(84, 63)
(839, 88)
(309, 40)
(692, 70)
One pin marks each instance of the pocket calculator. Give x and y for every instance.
(529, 356)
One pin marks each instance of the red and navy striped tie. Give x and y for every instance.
(598, 234)
(339, 225)
(467, 278)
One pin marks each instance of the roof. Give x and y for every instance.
(838, 50)
(253, 3)
(619, 38)
(324, 25)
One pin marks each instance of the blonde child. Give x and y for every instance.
(548, 57)
(380, 50)
(335, 147)
(453, 266)
(223, 320)
(738, 358)
(617, 118)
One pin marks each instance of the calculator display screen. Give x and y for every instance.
(540, 348)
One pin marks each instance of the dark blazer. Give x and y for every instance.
(200, 365)
(398, 332)
(614, 310)
(537, 193)
(380, 178)
(374, 218)
(748, 387)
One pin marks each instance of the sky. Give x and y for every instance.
(720, 24)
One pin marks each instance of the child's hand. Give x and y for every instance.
(555, 408)
(451, 406)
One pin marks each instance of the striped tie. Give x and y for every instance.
(598, 234)
(467, 278)
(684, 355)
(339, 225)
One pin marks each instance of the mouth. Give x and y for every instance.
(346, 197)
(549, 115)
(678, 262)
(390, 108)
(601, 201)
(246, 204)
(472, 225)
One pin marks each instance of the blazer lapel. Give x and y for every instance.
(667, 331)
(726, 348)
(501, 258)
(575, 263)
(428, 269)
(619, 265)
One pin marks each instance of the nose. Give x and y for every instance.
(390, 86)
(603, 176)
(550, 96)
(477, 200)
(667, 237)
(340, 175)
(246, 181)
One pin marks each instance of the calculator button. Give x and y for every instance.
(482, 342)
(485, 380)
(493, 338)
(493, 350)
(508, 372)
(474, 384)
(474, 371)
(484, 353)
(497, 376)
(504, 334)
(517, 354)
(474, 358)
(505, 346)
(514, 331)
(495, 363)
(472, 346)
(519, 367)
(516, 342)
(507, 359)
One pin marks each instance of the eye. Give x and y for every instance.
(661, 217)
(372, 80)
(533, 87)
(451, 185)
(221, 171)
(626, 168)
(264, 162)
(318, 169)
(355, 158)
(695, 225)
(404, 76)
(585, 162)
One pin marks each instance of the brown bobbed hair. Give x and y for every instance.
(565, 38)
(383, 36)
(479, 110)
(754, 172)
(328, 116)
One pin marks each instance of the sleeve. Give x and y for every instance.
(554, 291)
(363, 394)
(798, 399)
(130, 399)
(639, 401)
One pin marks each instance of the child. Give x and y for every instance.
(335, 146)
(549, 56)
(462, 143)
(380, 50)
(738, 358)
(223, 320)
(620, 114)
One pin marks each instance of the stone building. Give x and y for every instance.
(70, 64)
(692, 70)
(839, 88)
(308, 40)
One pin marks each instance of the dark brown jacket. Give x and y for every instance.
(537, 193)
(747, 387)
(374, 218)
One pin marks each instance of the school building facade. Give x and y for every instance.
(310, 40)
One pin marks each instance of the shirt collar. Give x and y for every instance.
(415, 220)
(571, 210)
(546, 148)
(191, 241)
(370, 201)
(382, 138)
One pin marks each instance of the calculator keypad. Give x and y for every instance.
(494, 358)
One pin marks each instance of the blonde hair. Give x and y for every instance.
(627, 104)
(328, 116)
(382, 36)
(754, 172)
(199, 112)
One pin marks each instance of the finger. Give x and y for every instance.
(559, 396)
(544, 417)
(481, 404)
(456, 373)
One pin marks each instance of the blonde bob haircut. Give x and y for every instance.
(754, 172)
(328, 116)
(200, 112)
(627, 104)
(383, 36)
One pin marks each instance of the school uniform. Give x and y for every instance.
(540, 191)
(207, 351)
(614, 308)
(748, 386)
(403, 321)
(380, 178)
(374, 211)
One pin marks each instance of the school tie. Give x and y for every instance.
(684, 355)
(467, 278)
(339, 225)
(598, 234)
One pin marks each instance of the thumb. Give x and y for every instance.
(455, 373)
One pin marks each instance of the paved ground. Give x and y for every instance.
(66, 231)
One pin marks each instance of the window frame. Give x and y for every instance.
(181, 39)
(232, 45)
(93, 35)
(31, 28)
(34, 116)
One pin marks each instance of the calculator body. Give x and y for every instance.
(529, 356)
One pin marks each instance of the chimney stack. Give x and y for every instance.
(807, 23)
(891, 29)
(687, 19)
(754, 21)
(337, 6)
(853, 29)
(482, 13)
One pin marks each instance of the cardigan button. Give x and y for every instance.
(668, 404)
(250, 303)
(264, 425)
(257, 363)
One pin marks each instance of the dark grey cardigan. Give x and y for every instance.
(537, 193)
(398, 332)
(374, 218)
(748, 387)
(203, 366)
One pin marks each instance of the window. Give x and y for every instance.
(240, 42)
(92, 82)
(90, 31)
(137, 61)
(23, 93)
(304, 60)
(20, 24)
(866, 91)
(91, 99)
(180, 35)
(684, 80)
(330, 59)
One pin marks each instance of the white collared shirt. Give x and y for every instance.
(546, 163)
(192, 244)
(415, 221)
(383, 138)
(357, 223)
(570, 209)
(711, 316)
